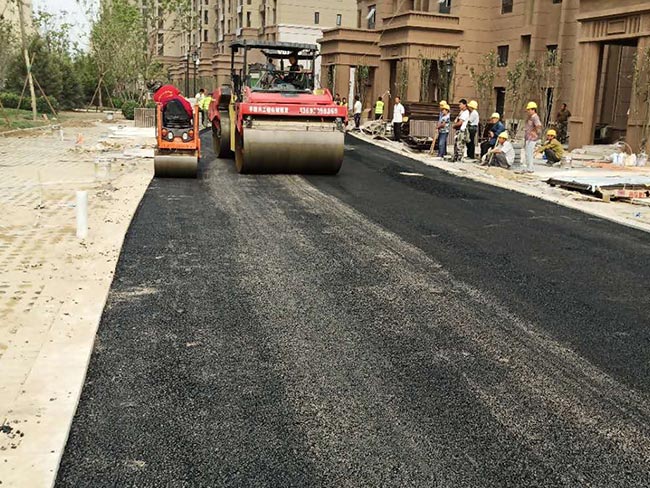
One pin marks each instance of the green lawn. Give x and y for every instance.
(11, 118)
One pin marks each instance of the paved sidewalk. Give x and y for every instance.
(52, 285)
(535, 184)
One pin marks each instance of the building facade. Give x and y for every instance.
(425, 50)
(220, 22)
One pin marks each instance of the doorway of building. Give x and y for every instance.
(614, 91)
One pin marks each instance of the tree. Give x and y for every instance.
(483, 78)
(123, 41)
(641, 79)
(8, 40)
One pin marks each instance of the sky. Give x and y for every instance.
(75, 16)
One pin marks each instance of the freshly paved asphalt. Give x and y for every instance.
(375, 328)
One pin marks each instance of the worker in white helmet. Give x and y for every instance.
(532, 131)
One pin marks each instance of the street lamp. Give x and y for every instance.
(195, 58)
(187, 73)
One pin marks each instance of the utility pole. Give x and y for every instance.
(28, 65)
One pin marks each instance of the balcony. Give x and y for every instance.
(422, 20)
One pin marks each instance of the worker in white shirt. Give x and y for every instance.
(472, 128)
(357, 109)
(398, 117)
(460, 125)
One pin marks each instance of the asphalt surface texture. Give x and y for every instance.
(391, 326)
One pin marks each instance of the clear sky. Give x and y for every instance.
(75, 15)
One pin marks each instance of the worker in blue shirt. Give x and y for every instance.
(496, 129)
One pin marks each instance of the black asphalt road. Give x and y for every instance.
(377, 328)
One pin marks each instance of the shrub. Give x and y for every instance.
(128, 109)
(150, 104)
(9, 100)
(118, 102)
(43, 107)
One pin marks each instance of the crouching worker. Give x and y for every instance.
(553, 149)
(502, 155)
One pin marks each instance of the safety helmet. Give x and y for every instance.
(495, 115)
(504, 135)
(442, 103)
(551, 132)
(531, 105)
(445, 106)
(473, 104)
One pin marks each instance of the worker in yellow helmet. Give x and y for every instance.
(502, 155)
(379, 108)
(532, 133)
(552, 149)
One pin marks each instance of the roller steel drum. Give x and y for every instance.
(179, 165)
(221, 136)
(290, 147)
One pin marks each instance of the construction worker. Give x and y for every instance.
(204, 105)
(502, 155)
(561, 121)
(496, 129)
(444, 123)
(379, 108)
(398, 118)
(553, 149)
(532, 133)
(460, 125)
(472, 128)
(357, 109)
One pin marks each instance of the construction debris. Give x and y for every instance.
(607, 187)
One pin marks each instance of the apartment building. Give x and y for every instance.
(223, 21)
(9, 11)
(425, 49)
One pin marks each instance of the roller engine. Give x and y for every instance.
(271, 118)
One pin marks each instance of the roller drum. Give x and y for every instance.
(175, 165)
(221, 136)
(290, 147)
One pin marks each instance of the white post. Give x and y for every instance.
(82, 214)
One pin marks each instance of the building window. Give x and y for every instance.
(445, 6)
(557, 1)
(205, 35)
(551, 54)
(205, 16)
(161, 44)
(502, 55)
(339, 19)
(506, 6)
(525, 45)
(316, 17)
(248, 19)
(372, 16)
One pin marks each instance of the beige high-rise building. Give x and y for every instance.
(425, 49)
(9, 11)
(223, 21)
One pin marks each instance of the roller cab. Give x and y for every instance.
(178, 145)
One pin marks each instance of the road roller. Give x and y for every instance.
(178, 145)
(271, 117)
